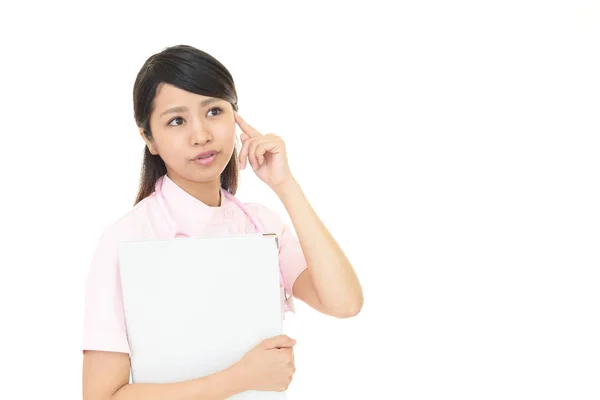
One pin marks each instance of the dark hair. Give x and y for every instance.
(189, 69)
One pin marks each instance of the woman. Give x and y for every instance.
(185, 105)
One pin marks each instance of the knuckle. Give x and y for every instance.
(282, 386)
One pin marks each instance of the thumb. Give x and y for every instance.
(278, 341)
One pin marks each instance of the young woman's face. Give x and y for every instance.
(186, 126)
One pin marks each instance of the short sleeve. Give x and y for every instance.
(104, 318)
(291, 257)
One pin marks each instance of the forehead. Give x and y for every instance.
(167, 95)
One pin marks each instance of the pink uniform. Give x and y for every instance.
(104, 320)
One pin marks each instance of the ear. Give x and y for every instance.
(149, 142)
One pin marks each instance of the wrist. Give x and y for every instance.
(236, 378)
(287, 188)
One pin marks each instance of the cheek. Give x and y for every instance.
(225, 134)
(169, 146)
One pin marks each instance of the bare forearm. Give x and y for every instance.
(333, 277)
(220, 385)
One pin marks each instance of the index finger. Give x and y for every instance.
(278, 342)
(247, 129)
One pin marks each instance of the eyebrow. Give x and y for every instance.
(203, 103)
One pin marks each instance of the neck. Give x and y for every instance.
(207, 192)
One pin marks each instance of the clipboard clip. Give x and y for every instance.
(274, 235)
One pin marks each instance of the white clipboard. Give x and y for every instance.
(195, 306)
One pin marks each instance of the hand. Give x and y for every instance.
(269, 366)
(266, 154)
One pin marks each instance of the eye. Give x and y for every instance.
(175, 119)
(219, 109)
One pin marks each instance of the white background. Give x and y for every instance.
(452, 148)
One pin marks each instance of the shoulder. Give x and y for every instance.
(264, 212)
(143, 221)
(261, 210)
(271, 219)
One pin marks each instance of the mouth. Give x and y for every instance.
(206, 158)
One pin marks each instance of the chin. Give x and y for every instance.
(203, 177)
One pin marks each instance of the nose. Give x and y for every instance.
(200, 134)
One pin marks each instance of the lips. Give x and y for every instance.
(206, 158)
(205, 155)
